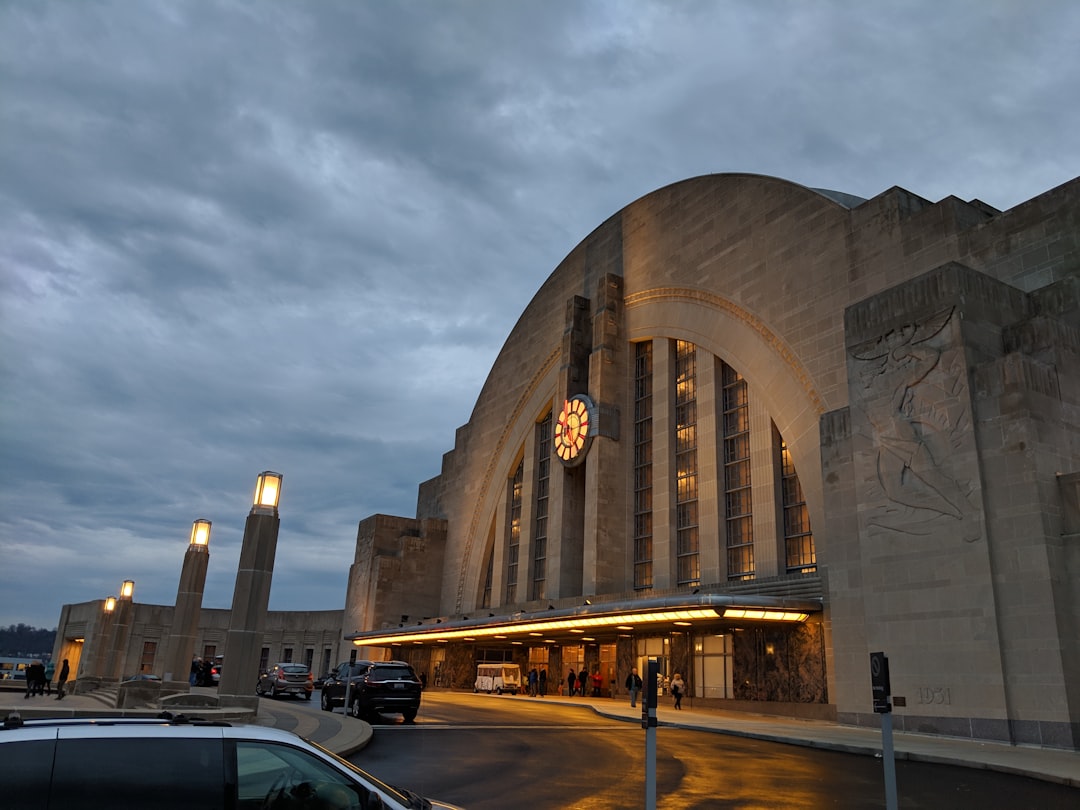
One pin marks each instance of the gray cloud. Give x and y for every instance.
(238, 236)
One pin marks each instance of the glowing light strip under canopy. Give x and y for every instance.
(608, 620)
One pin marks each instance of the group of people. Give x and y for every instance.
(676, 685)
(537, 682)
(578, 683)
(202, 672)
(39, 679)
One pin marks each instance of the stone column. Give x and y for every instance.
(251, 598)
(188, 609)
(121, 634)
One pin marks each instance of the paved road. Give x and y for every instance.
(489, 752)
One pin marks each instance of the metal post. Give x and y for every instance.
(881, 688)
(648, 722)
(889, 761)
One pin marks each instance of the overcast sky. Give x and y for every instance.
(246, 236)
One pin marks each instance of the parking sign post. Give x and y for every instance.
(882, 691)
(648, 722)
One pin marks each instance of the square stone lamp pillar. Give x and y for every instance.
(251, 596)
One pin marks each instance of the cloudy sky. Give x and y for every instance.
(239, 236)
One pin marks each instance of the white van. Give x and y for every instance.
(498, 678)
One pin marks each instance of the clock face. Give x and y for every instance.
(574, 429)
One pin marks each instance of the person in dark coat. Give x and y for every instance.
(543, 682)
(633, 685)
(61, 680)
(582, 679)
(35, 679)
(571, 682)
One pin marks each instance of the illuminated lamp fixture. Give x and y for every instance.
(200, 533)
(682, 624)
(127, 590)
(536, 634)
(576, 630)
(765, 615)
(110, 604)
(267, 490)
(587, 602)
(624, 627)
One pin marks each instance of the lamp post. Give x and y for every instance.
(189, 596)
(251, 595)
(121, 632)
(102, 641)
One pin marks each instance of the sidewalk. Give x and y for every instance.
(1049, 764)
(345, 735)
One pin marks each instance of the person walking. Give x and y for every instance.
(571, 682)
(677, 689)
(633, 685)
(61, 680)
(583, 679)
(543, 682)
(534, 682)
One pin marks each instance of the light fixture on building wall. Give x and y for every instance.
(267, 490)
(110, 604)
(127, 590)
(200, 533)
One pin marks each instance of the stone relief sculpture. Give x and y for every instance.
(910, 387)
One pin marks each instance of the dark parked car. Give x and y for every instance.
(286, 679)
(373, 687)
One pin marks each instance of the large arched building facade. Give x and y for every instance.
(758, 432)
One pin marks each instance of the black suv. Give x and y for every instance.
(372, 687)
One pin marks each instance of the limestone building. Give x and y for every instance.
(758, 432)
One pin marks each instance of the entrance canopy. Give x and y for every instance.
(601, 622)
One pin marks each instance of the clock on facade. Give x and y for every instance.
(574, 429)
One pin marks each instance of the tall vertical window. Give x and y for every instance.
(738, 508)
(688, 562)
(149, 651)
(543, 484)
(798, 538)
(514, 540)
(643, 516)
(485, 598)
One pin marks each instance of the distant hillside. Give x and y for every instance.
(23, 641)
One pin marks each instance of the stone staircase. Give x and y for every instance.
(107, 696)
